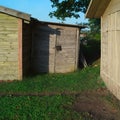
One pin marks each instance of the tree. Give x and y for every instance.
(72, 8)
(68, 8)
(94, 25)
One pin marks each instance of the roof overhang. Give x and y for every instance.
(60, 24)
(15, 13)
(96, 8)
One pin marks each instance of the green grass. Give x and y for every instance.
(77, 81)
(38, 108)
(29, 108)
(47, 107)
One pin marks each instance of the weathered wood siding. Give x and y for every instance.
(110, 46)
(10, 63)
(46, 57)
(42, 39)
(26, 47)
(66, 58)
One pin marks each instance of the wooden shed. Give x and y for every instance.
(55, 47)
(15, 44)
(109, 12)
(29, 46)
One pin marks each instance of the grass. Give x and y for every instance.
(30, 108)
(47, 107)
(38, 108)
(77, 81)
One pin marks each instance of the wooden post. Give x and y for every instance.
(77, 48)
(20, 21)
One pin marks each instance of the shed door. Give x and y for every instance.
(54, 50)
(43, 49)
(65, 55)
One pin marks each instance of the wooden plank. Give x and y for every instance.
(44, 52)
(113, 7)
(44, 48)
(15, 13)
(77, 48)
(108, 46)
(20, 22)
(26, 48)
(118, 20)
(101, 7)
(96, 8)
(66, 57)
(104, 45)
(118, 56)
(105, 23)
(8, 47)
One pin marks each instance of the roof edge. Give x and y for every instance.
(96, 8)
(62, 24)
(86, 14)
(15, 13)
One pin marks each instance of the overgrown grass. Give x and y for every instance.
(87, 78)
(38, 108)
(47, 107)
(30, 108)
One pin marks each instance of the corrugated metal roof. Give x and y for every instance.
(96, 8)
(15, 13)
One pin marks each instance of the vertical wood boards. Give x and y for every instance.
(77, 48)
(43, 48)
(66, 57)
(110, 53)
(20, 75)
(36, 46)
(113, 7)
(55, 48)
(26, 47)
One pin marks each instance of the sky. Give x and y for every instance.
(39, 9)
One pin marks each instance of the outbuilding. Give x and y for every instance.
(55, 47)
(15, 44)
(109, 12)
(29, 46)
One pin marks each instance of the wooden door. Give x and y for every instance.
(54, 49)
(43, 49)
(65, 55)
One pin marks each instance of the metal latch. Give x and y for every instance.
(58, 47)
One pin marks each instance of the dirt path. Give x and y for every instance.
(96, 105)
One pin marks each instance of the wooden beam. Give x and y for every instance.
(96, 8)
(20, 49)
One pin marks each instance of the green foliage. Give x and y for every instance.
(72, 8)
(39, 108)
(76, 81)
(91, 51)
(68, 8)
(33, 108)
(94, 37)
(94, 25)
